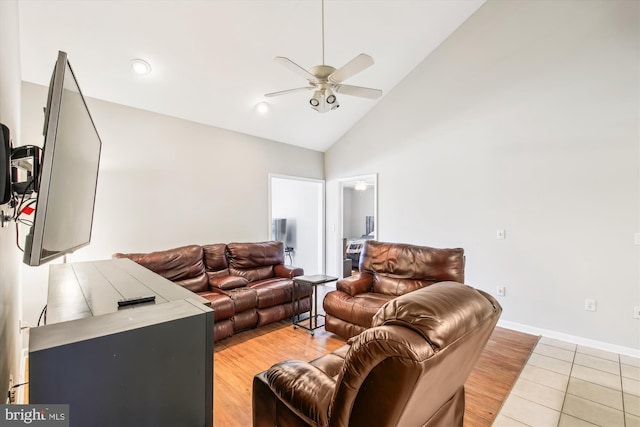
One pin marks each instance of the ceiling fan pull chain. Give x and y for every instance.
(322, 32)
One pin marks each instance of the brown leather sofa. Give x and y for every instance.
(387, 270)
(407, 370)
(247, 284)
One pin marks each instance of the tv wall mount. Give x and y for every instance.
(19, 174)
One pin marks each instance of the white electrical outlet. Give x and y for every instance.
(501, 291)
(636, 312)
(590, 304)
(500, 234)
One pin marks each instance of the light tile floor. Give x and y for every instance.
(567, 385)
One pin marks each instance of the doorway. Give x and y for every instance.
(296, 217)
(358, 218)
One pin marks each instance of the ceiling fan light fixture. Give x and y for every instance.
(330, 99)
(330, 96)
(316, 99)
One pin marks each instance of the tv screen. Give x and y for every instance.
(69, 172)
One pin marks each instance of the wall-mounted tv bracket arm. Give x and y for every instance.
(19, 173)
(25, 178)
(25, 169)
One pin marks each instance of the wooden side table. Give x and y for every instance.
(313, 281)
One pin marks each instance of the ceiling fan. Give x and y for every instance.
(326, 81)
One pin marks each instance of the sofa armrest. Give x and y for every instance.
(358, 284)
(304, 388)
(287, 271)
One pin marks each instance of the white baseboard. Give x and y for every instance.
(627, 351)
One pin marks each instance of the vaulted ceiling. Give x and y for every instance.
(212, 60)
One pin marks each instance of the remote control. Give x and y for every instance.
(135, 300)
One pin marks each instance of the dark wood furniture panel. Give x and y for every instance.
(141, 365)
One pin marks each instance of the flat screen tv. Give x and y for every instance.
(69, 172)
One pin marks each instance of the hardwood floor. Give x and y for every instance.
(239, 358)
(494, 374)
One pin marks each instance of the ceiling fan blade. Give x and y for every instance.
(285, 92)
(295, 67)
(351, 68)
(362, 92)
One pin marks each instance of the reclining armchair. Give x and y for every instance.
(387, 270)
(407, 370)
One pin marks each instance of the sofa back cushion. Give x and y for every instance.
(182, 265)
(254, 261)
(399, 268)
(215, 257)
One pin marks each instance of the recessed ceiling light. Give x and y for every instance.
(140, 66)
(262, 107)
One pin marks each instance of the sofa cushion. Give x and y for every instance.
(182, 265)
(396, 286)
(399, 268)
(273, 291)
(253, 274)
(215, 257)
(357, 309)
(250, 255)
(227, 282)
(195, 284)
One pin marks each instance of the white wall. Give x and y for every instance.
(525, 119)
(166, 182)
(10, 76)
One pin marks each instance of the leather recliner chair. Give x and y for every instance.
(387, 270)
(407, 370)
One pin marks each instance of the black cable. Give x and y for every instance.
(18, 238)
(20, 385)
(42, 313)
(18, 210)
(10, 395)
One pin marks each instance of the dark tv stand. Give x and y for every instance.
(145, 364)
